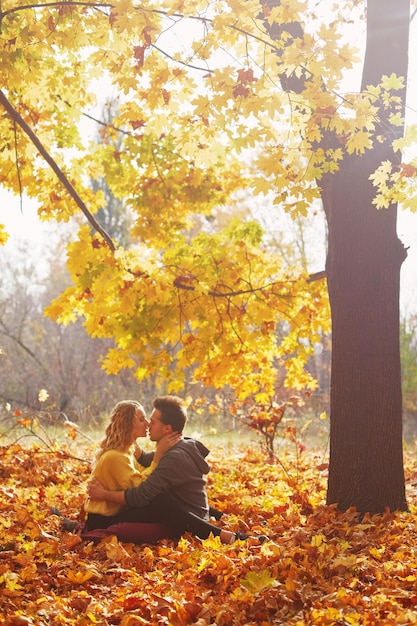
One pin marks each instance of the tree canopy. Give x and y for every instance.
(203, 123)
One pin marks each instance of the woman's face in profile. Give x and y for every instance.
(140, 425)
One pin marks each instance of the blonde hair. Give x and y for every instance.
(119, 429)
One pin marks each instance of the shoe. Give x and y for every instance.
(215, 513)
(55, 511)
(69, 524)
(241, 536)
(245, 536)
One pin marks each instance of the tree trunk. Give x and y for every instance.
(363, 273)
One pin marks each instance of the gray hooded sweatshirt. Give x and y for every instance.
(182, 470)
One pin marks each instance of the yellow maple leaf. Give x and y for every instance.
(318, 540)
(396, 120)
(78, 577)
(393, 82)
(256, 582)
(358, 142)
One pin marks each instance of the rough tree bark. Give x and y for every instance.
(363, 273)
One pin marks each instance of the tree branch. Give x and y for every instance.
(16, 117)
(219, 294)
(316, 276)
(185, 63)
(43, 5)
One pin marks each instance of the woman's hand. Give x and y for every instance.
(165, 444)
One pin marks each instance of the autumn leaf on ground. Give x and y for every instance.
(255, 582)
(331, 565)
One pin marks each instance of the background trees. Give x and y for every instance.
(200, 126)
(37, 354)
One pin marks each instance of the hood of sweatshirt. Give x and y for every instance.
(196, 451)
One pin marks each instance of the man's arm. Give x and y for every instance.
(96, 491)
(158, 482)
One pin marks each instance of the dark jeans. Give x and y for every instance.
(166, 509)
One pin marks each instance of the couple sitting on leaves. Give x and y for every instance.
(170, 493)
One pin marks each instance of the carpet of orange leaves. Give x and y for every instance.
(319, 567)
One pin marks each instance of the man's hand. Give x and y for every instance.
(96, 490)
(137, 451)
(165, 444)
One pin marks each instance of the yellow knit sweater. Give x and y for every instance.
(116, 471)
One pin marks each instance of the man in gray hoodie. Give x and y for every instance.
(182, 470)
(175, 492)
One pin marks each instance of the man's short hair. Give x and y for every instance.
(173, 411)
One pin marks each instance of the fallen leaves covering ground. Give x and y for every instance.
(320, 567)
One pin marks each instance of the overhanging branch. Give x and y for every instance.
(17, 118)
